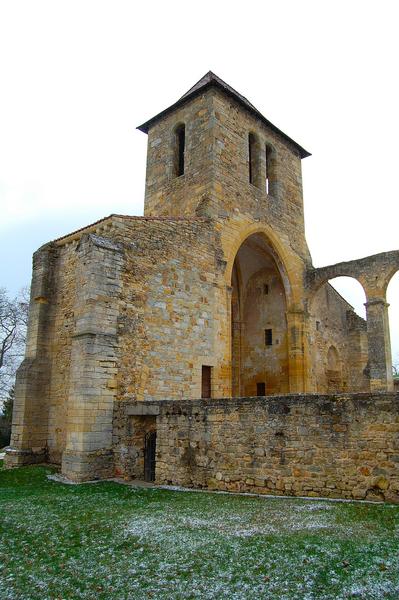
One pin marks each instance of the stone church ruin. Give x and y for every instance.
(197, 345)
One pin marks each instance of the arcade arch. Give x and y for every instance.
(338, 337)
(392, 297)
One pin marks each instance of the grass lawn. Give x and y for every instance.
(107, 540)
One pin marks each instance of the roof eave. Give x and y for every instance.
(146, 126)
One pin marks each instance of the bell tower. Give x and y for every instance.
(213, 153)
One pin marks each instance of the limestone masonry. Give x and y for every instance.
(197, 345)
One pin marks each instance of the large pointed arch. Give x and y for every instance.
(259, 330)
(290, 265)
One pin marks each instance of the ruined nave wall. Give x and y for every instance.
(337, 446)
(172, 300)
(338, 344)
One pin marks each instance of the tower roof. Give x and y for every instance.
(212, 80)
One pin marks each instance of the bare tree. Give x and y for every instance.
(6, 418)
(13, 323)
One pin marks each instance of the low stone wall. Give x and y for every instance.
(338, 446)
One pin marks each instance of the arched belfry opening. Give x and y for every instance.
(179, 147)
(258, 321)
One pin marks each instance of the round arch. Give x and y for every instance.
(330, 276)
(338, 335)
(392, 297)
(390, 275)
(352, 291)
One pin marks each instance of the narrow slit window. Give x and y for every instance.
(261, 389)
(268, 337)
(269, 169)
(180, 146)
(253, 159)
(250, 157)
(265, 289)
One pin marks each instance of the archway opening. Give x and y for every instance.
(352, 292)
(393, 312)
(258, 321)
(338, 337)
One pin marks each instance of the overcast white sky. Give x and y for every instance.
(77, 77)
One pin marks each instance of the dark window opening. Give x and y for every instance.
(317, 325)
(261, 389)
(268, 337)
(206, 381)
(150, 444)
(250, 157)
(180, 144)
(269, 169)
(253, 159)
(265, 289)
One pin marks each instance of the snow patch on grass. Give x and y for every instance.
(112, 541)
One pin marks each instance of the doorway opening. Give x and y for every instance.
(141, 439)
(149, 455)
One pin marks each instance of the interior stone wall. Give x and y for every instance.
(336, 446)
(261, 362)
(334, 327)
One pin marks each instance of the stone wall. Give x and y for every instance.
(342, 446)
(30, 412)
(169, 307)
(374, 274)
(334, 328)
(60, 329)
(166, 194)
(282, 207)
